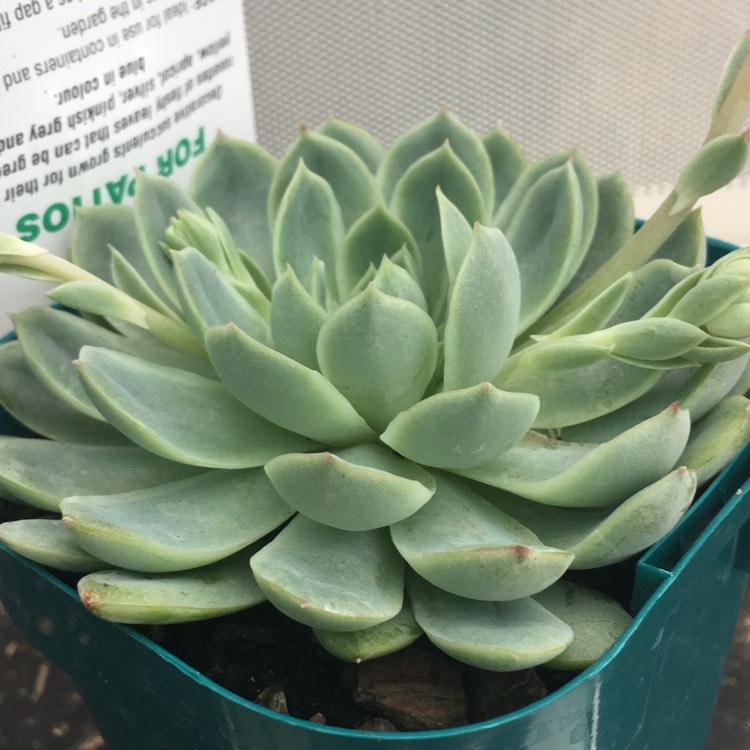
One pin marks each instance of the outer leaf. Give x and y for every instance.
(500, 636)
(157, 200)
(296, 320)
(234, 178)
(429, 136)
(331, 579)
(687, 244)
(157, 407)
(178, 525)
(309, 225)
(580, 476)
(144, 598)
(282, 390)
(375, 234)
(48, 542)
(483, 311)
(379, 640)
(348, 176)
(462, 544)
(44, 472)
(356, 489)
(415, 203)
(357, 139)
(507, 159)
(718, 437)
(604, 537)
(459, 429)
(380, 353)
(208, 298)
(23, 396)
(597, 622)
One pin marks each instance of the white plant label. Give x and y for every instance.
(92, 91)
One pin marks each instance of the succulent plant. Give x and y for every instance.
(393, 391)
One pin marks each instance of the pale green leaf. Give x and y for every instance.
(296, 320)
(178, 525)
(144, 598)
(26, 399)
(208, 298)
(465, 545)
(360, 645)
(597, 622)
(357, 139)
(234, 178)
(483, 311)
(458, 429)
(331, 579)
(499, 636)
(355, 489)
(44, 472)
(48, 542)
(348, 176)
(575, 475)
(507, 159)
(180, 415)
(282, 390)
(380, 353)
(309, 225)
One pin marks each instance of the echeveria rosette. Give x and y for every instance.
(323, 382)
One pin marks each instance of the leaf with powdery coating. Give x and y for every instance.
(463, 544)
(157, 407)
(459, 429)
(331, 579)
(499, 636)
(483, 311)
(148, 599)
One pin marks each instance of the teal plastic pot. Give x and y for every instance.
(654, 690)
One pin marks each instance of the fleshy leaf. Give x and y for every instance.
(157, 407)
(605, 537)
(429, 136)
(233, 178)
(357, 139)
(179, 525)
(23, 396)
(614, 224)
(456, 234)
(369, 643)
(415, 203)
(380, 353)
(396, 281)
(331, 579)
(48, 542)
(282, 390)
(687, 244)
(348, 176)
(208, 298)
(717, 437)
(459, 429)
(466, 546)
(375, 234)
(309, 225)
(44, 472)
(144, 598)
(507, 159)
(580, 476)
(296, 320)
(355, 489)
(546, 234)
(483, 311)
(499, 636)
(597, 622)
(157, 200)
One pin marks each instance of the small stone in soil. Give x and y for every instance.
(273, 697)
(415, 689)
(377, 725)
